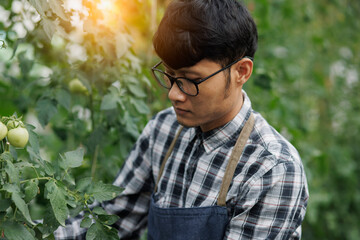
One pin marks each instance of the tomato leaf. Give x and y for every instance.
(31, 190)
(33, 140)
(6, 156)
(99, 231)
(50, 223)
(109, 102)
(49, 169)
(136, 90)
(76, 211)
(72, 159)
(4, 204)
(86, 222)
(46, 109)
(63, 97)
(21, 205)
(12, 172)
(34, 156)
(140, 106)
(111, 99)
(11, 188)
(131, 127)
(99, 211)
(108, 219)
(16, 231)
(57, 201)
(83, 184)
(103, 192)
(70, 179)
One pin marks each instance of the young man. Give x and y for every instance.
(209, 167)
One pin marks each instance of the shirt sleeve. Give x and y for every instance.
(273, 206)
(132, 204)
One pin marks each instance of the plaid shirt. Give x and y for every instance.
(266, 200)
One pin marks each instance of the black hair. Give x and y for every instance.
(192, 30)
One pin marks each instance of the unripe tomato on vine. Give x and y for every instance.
(3, 131)
(76, 86)
(18, 137)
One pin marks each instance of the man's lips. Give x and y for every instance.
(181, 111)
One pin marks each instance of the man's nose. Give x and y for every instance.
(175, 94)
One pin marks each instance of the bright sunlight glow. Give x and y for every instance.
(108, 12)
(105, 5)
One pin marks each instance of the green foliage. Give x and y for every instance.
(305, 83)
(18, 191)
(51, 181)
(107, 117)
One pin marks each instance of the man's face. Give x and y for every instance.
(215, 105)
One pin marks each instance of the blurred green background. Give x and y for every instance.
(305, 83)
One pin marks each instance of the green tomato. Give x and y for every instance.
(18, 137)
(76, 86)
(3, 131)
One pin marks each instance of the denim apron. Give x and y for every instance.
(196, 223)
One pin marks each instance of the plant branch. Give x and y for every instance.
(39, 178)
(93, 166)
(92, 111)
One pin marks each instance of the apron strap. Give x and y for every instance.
(231, 166)
(234, 159)
(167, 156)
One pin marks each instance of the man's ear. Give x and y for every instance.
(243, 70)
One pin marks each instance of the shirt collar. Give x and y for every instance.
(219, 136)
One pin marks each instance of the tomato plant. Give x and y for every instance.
(81, 97)
(51, 179)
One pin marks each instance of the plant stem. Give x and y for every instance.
(91, 103)
(2, 147)
(1, 151)
(7, 147)
(15, 212)
(93, 167)
(37, 175)
(39, 178)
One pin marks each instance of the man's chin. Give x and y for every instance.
(185, 124)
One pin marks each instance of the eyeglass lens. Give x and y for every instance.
(185, 85)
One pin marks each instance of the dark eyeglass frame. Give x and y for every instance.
(196, 83)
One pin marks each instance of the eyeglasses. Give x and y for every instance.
(187, 86)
